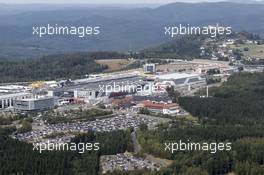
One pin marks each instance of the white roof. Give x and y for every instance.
(14, 95)
(37, 99)
(50, 82)
(176, 76)
(13, 87)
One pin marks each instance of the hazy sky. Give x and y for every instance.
(103, 1)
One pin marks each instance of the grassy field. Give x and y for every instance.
(255, 51)
(115, 64)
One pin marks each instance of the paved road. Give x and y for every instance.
(137, 147)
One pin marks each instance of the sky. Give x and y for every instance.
(104, 1)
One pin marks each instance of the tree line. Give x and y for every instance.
(54, 66)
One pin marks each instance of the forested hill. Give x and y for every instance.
(54, 66)
(183, 47)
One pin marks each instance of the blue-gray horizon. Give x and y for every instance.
(103, 1)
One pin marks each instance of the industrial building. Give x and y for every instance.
(93, 90)
(149, 68)
(181, 81)
(7, 99)
(34, 104)
(163, 108)
(13, 89)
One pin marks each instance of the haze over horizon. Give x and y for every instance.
(110, 1)
(124, 27)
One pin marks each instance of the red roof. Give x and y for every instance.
(152, 105)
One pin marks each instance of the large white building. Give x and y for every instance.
(34, 104)
(7, 100)
(181, 81)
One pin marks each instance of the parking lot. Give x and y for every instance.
(125, 162)
(119, 122)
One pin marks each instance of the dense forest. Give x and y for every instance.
(19, 158)
(239, 101)
(54, 66)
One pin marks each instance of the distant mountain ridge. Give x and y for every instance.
(122, 29)
(247, 1)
